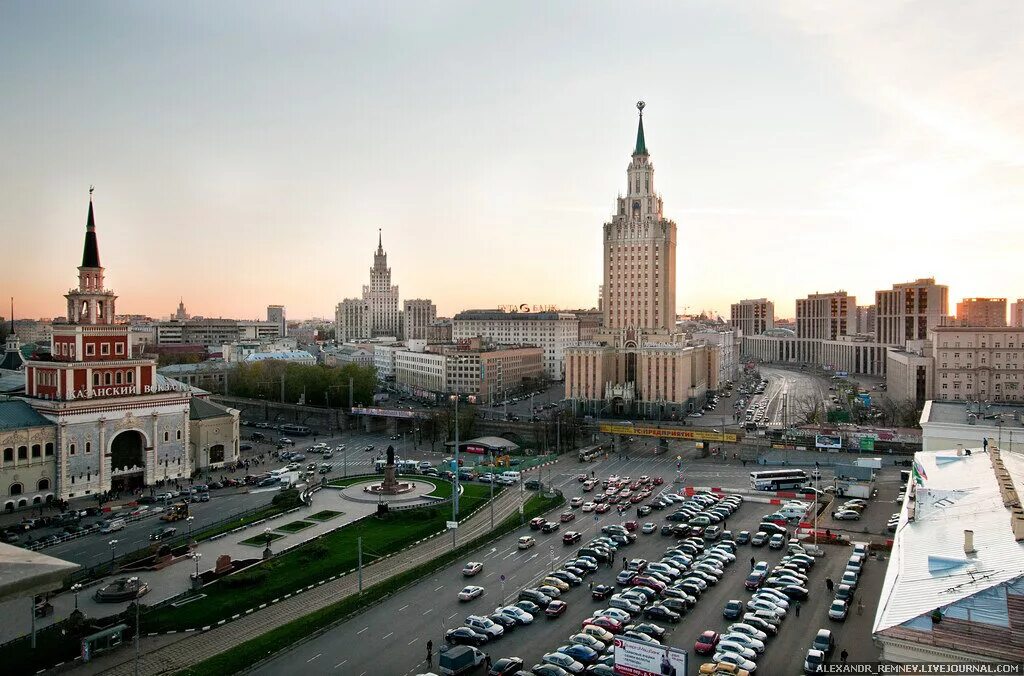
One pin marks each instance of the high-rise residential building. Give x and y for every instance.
(908, 311)
(377, 313)
(752, 317)
(1017, 312)
(553, 332)
(637, 362)
(640, 254)
(417, 316)
(982, 312)
(826, 316)
(978, 363)
(276, 314)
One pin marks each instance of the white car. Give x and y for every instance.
(576, 502)
(748, 630)
(526, 542)
(734, 658)
(744, 640)
(470, 592)
(764, 604)
(737, 648)
(589, 506)
(517, 614)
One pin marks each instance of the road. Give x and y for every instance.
(390, 638)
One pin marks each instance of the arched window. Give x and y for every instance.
(48, 450)
(16, 489)
(22, 452)
(88, 447)
(95, 380)
(129, 377)
(117, 378)
(106, 378)
(8, 454)
(71, 449)
(37, 451)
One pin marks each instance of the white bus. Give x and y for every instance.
(778, 479)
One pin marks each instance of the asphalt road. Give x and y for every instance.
(390, 638)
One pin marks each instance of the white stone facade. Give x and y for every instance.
(553, 332)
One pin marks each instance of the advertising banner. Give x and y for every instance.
(867, 444)
(666, 433)
(386, 412)
(828, 441)
(638, 658)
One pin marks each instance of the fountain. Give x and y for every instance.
(122, 589)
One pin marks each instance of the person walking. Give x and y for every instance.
(843, 656)
(860, 606)
(591, 585)
(753, 563)
(797, 608)
(430, 653)
(487, 662)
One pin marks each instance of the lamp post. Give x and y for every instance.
(195, 557)
(113, 546)
(267, 553)
(76, 588)
(188, 522)
(455, 494)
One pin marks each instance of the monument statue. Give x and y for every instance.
(391, 455)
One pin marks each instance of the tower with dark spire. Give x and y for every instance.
(91, 303)
(641, 144)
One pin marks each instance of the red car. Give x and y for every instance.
(606, 623)
(636, 485)
(571, 537)
(639, 497)
(556, 608)
(602, 508)
(537, 523)
(631, 526)
(646, 581)
(658, 481)
(706, 643)
(567, 516)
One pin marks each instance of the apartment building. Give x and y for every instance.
(982, 312)
(753, 317)
(908, 311)
(978, 363)
(553, 332)
(1017, 313)
(417, 316)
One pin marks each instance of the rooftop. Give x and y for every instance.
(1009, 416)
(928, 568)
(289, 355)
(16, 414)
(201, 409)
(485, 315)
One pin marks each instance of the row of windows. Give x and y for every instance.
(19, 488)
(37, 450)
(66, 349)
(995, 346)
(113, 378)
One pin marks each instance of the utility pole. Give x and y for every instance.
(359, 544)
(136, 637)
(282, 388)
(493, 472)
(350, 381)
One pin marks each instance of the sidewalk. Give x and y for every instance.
(161, 657)
(175, 579)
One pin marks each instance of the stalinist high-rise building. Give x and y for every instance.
(377, 312)
(637, 362)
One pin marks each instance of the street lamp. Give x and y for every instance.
(77, 587)
(195, 557)
(188, 521)
(455, 494)
(113, 545)
(267, 553)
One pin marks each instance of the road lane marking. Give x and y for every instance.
(313, 658)
(340, 663)
(439, 588)
(387, 636)
(403, 607)
(452, 615)
(428, 610)
(413, 641)
(361, 631)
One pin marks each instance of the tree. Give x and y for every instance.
(289, 382)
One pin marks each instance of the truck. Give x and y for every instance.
(873, 463)
(175, 512)
(459, 659)
(853, 489)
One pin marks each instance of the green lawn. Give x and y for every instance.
(324, 515)
(261, 539)
(332, 554)
(295, 526)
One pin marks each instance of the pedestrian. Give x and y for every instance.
(797, 608)
(753, 563)
(860, 606)
(487, 661)
(430, 653)
(829, 584)
(591, 585)
(744, 461)
(843, 656)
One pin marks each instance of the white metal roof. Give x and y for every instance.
(928, 568)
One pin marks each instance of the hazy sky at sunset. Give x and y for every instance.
(245, 153)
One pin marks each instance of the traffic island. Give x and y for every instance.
(324, 515)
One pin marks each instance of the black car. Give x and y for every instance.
(507, 623)
(675, 605)
(660, 612)
(600, 592)
(532, 484)
(667, 529)
(464, 636)
(648, 628)
(505, 666)
(550, 527)
(773, 528)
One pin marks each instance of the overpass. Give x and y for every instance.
(323, 418)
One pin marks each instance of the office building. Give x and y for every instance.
(981, 312)
(978, 364)
(553, 332)
(1017, 313)
(752, 317)
(866, 320)
(417, 315)
(826, 316)
(908, 311)
(276, 315)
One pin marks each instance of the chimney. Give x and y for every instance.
(1017, 522)
(969, 542)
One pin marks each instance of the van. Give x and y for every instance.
(111, 525)
(793, 511)
(512, 476)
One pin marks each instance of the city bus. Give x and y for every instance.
(295, 430)
(778, 479)
(590, 453)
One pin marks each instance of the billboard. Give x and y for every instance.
(479, 450)
(828, 441)
(639, 658)
(867, 444)
(387, 412)
(666, 433)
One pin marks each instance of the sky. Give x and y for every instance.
(246, 153)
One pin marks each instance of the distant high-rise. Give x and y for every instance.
(866, 319)
(417, 316)
(276, 314)
(826, 316)
(909, 310)
(1017, 312)
(753, 317)
(989, 312)
(181, 314)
